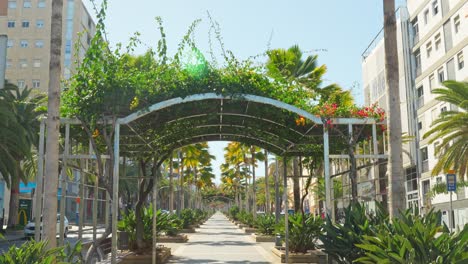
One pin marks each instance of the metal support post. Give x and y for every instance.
(277, 194)
(171, 184)
(63, 199)
(155, 195)
(95, 205)
(82, 201)
(376, 167)
(267, 190)
(115, 192)
(286, 213)
(326, 164)
(39, 182)
(107, 206)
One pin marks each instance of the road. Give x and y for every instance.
(72, 239)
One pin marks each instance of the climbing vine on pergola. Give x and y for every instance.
(151, 104)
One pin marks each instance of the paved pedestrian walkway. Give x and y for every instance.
(220, 241)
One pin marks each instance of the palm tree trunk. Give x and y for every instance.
(396, 190)
(14, 201)
(296, 187)
(53, 125)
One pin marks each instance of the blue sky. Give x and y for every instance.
(337, 30)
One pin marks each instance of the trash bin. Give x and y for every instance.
(122, 240)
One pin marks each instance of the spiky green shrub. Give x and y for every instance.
(168, 224)
(339, 240)
(265, 224)
(412, 239)
(233, 211)
(188, 217)
(33, 252)
(304, 232)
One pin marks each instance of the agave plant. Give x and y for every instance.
(304, 232)
(265, 224)
(339, 240)
(36, 252)
(415, 240)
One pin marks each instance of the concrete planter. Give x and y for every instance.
(187, 230)
(250, 230)
(180, 238)
(242, 226)
(263, 238)
(163, 254)
(312, 256)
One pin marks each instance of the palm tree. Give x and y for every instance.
(53, 125)
(255, 154)
(12, 140)
(234, 157)
(27, 108)
(396, 181)
(452, 128)
(288, 67)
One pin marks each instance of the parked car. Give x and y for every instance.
(30, 228)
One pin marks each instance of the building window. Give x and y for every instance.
(24, 43)
(25, 23)
(9, 63)
(443, 109)
(415, 30)
(40, 23)
(36, 83)
(12, 4)
(426, 16)
(437, 41)
(37, 63)
(411, 179)
(11, 23)
(435, 8)
(10, 43)
(426, 187)
(417, 60)
(41, 4)
(21, 84)
(431, 81)
(439, 180)
(440, 75)
(39, 44)
(23, 63)
(429, 49)
(420, 101)
(456, 23)
(425, 159)
(27, 4)
(419, 125)
(461, 60)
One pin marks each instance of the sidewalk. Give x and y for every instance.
(220, 241)
(12, 235)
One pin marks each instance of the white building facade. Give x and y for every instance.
(432, 41)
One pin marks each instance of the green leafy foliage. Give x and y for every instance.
(304, 232)
(412, 239)
(245, 217)
(32, 252)
(233, 211)
(265, 224)
(339, 240)
(168, 224)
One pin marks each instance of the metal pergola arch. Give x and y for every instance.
(275, 121)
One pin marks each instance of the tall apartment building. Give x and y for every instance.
(373, 70)
(439, 44)
(432, 41)
(27, 26)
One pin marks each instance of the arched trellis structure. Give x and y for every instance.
(265, 122)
